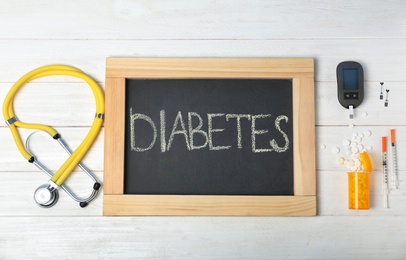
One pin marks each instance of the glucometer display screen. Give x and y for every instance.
(350, 79)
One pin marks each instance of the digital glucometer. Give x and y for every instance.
(350, 85)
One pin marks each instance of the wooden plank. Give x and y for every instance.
(209, 68)
(47, 150)
(153, 205)
(205, 237)
(331, 195)
(15, 203)
(304, 137)
(89, 55)
(106, 19)
(114, 137)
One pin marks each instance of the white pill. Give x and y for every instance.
(354, 149)
(351, 162)
(353, 144)
(346, 142)
(355, 155)
(367, 133)
(360, 147)
(361, 135)
(323, 146)
(357, 162)
(340, 160)
(368, 148)
(364, 114)
(358, 140)
(354, 168)
(335, 150)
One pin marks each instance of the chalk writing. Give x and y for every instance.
(197, 130)
(189, 133)
(147, 119)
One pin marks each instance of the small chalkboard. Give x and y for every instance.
(209, 137)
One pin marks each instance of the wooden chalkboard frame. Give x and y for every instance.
(299, 70)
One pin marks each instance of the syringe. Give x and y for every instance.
(385, 190)
(395, 176)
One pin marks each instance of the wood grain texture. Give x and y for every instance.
(304, 137)
(178, 205)
(84, 33)
(90, 55)
(300, 71)
(114, 138)
(205, 19)
(209, 68)
(204, 238)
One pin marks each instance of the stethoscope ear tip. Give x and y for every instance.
(96, 186)
(46, 196)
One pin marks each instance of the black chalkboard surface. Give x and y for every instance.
(208, 137)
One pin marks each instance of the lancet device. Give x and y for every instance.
(350, 85)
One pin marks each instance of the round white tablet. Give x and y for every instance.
(351, 162)
(346, 142)
(340, 160)
(357, 162)
(354, 149)
(367, 133)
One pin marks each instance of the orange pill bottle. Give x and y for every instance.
(359, 185)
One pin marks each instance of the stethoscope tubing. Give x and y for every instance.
(74, 159)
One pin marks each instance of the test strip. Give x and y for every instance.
(385, 190)
(395, 176)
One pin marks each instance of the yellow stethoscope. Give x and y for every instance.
(47, 195)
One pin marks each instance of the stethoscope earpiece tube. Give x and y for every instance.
(47, 195)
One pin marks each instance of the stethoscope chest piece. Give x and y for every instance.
(45, 196)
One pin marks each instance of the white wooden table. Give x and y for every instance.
(84, 33)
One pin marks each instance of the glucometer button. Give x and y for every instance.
(351, 95)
